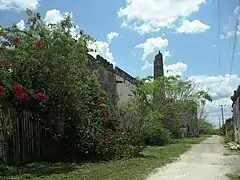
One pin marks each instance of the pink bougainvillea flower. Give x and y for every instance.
(23, 97)
(108, 138)
(38, 45)
(1, 87)
(17, 40)
(41, 96)
(17, 88)
(2, 94)
(115, 134)
(104, 118)
(100, 140)
(3, 62)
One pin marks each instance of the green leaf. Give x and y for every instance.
(5, 103)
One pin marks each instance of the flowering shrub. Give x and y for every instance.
(44, 68)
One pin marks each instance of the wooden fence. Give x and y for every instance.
(21, 137)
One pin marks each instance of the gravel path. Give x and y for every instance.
(205, 161)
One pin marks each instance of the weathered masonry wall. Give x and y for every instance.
(119, 85)
(116, 82)
(236, 119)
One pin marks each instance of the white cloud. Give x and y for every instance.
(221, 90)
(150, 48)
(19, 4)
(111, 36)
(195, 26)
(152, 15)
(102, 48)
(217, 86)
(21, 25)
(54, 16)
(175, 69)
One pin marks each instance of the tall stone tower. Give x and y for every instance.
(158, 71)
(158, 66)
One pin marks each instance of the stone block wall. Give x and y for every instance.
(116, 82)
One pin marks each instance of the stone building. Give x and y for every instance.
(116, 82)
(236, 116)
(119, 85)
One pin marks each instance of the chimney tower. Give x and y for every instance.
(158, 66)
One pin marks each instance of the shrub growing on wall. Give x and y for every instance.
(46, 62)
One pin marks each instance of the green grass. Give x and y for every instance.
(233, 176)
(130, 169)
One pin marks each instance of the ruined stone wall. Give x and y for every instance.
(236, 119)
(126, 84)
(191, 120)
(119, 85)
(116, 82)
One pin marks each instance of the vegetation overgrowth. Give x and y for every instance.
(131, 168)
(44, 69)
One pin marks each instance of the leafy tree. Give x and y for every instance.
(228, 130)
(176, 103)
(181, 99)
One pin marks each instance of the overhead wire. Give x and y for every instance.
(218, 42)
(234, 45)
(218, 12)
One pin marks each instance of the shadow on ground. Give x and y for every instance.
(37, 169)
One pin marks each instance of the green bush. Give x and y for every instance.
(228, 139)
(48, 59)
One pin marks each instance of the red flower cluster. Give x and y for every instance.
(17, 88)
(23, 97)
(104, 118)
(116, 132)
(1, 88)
(2, 94)
(3, 62)
(41, 96)
(38, 45)
(17, 40)
(108, 137)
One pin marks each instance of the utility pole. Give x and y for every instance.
(221, 106)
(219, 123)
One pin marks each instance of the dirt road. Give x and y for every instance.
(208, 160)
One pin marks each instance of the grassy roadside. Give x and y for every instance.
(233, 176)
(131, 169)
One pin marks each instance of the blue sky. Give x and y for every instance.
(130, 32)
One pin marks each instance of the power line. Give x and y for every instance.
(218, 7)
(219, 124)
(234, 46)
